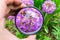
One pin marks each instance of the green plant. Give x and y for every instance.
(56, 32)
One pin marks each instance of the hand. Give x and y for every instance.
(4, 9)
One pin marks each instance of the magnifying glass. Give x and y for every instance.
(29, 20)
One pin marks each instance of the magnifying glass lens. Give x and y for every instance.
(29, 20)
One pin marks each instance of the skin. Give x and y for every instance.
(4, 33)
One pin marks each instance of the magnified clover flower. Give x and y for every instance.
(48, 6)
(29, 20)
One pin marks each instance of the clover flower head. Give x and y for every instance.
(48, 7)
(28, 2)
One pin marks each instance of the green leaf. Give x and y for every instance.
(40, 35)
(57, 2)
(38, 3)
(56, 32)
(20, 35)
(47, 38)
(8, 23)
(46, 29)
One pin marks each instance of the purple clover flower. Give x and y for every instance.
(12, 18)
(48, 7)
(29, 20)
(28, 2)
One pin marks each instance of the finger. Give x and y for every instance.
(17, 2)
(9, 1)
(14, 4)
(31, 37)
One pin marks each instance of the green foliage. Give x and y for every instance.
(10, 25)
(38, 3)
(56, 26)
(20, 35)
(41, 35)
(46, 38)
(56, 32)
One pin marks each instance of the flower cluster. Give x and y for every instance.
(28, 2)
(48, 6)
(29, 20)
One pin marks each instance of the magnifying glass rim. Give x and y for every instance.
(30, 33)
